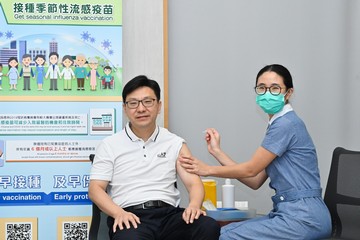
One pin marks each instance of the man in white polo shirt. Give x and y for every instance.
(134, 173)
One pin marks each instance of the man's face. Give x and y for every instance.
(142, 117)
(26, 61)
(53, 59)
(107, 71)
(80, 60)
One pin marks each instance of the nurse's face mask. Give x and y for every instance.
(270, 99)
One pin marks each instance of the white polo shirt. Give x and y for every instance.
(139, 171)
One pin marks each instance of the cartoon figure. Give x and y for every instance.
(67, 72)
(13, 73)
(80, 71)
(107, 79)
(40, 71)
(93, 63)
(26, 71)
(1, 67)
(53, 70)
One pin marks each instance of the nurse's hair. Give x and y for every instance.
(280, 70)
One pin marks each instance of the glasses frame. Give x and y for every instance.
(141, 101)
(269, 89)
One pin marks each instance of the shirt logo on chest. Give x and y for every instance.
(162, 155)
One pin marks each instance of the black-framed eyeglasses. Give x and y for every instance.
(146, 102)
(274, 90)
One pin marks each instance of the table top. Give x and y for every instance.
(231, 214)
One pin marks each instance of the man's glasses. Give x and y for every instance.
(274, 90)
(146, 102)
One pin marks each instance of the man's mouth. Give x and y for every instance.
(142, 117)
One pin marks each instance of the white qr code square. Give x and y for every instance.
(18, 228)
(73, 228)
(21, 231)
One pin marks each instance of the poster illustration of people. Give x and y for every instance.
(60, 94)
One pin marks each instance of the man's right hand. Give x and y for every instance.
(124, 218)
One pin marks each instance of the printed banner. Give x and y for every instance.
(60, 95)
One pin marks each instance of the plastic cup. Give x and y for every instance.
(210, 190)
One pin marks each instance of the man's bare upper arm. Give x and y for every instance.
(186, 178)
(98, 183)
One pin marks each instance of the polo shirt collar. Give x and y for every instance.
(287, 108)
(134, 138)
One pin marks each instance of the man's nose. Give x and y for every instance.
(141, 107)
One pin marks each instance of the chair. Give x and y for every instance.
(342, 194)
(98, 227)
(103, 83)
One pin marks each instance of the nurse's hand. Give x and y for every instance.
(212, 139)
(194, 165)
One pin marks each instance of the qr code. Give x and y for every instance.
(18, 231)
(75, 230)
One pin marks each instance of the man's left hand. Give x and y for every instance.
(191, 213)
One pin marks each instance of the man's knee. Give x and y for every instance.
(210, 228)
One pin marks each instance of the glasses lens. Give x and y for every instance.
(275, 90)
(148, 102)
(132, 104)
(260, 90)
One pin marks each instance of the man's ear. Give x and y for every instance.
(160, 105)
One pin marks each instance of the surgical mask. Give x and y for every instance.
(269, 103)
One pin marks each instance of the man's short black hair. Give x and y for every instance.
(138, 82)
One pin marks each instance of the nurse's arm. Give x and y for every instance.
(251, 173)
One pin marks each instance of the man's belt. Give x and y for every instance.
(149, 205)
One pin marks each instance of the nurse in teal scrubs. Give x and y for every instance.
(287, 156)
